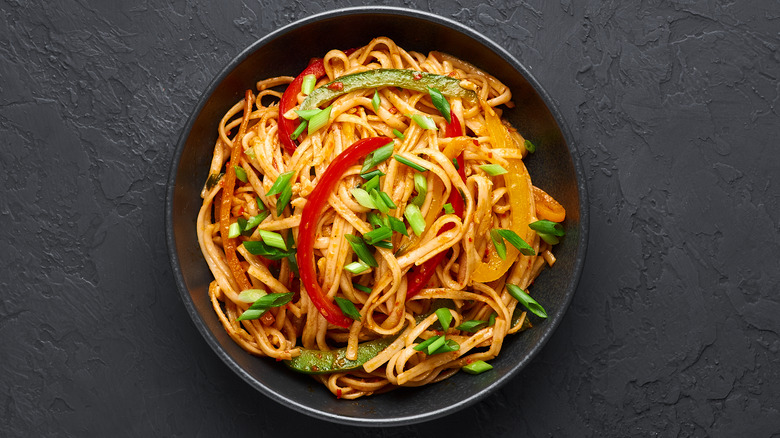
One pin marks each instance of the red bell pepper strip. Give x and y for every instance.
(418, 276)
(289, 100)
(312, 211)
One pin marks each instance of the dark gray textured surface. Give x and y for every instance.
(674, 330)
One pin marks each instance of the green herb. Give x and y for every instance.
(440, 103)
(516, 241)
(448, 346)
(319, 120)
(362, 288)
(307, 86)
(424, 344)
(377, 157)
(240, 173)
(397, 225)
(234, 230)
(361, 250)
(424, 122)
(379, 234)
(371, 184)
(213, 179)
(281, 182)
(256, 220)
(348, 307)
(363, 198)
(260, 205)
(409, 163)
(374, 220)
(260, 248)
(357, 268)
(492, 319)
(498, 243)
(299, 130)
(283, 200)
(455, 163)
(547, 227)
(530, 147)
(273, 239)
(265, 302)
(421, 185)
(493, 169)
(445, 318)
(290, 241)
(415, 218)
(523, 298)
(471, 326)
(372, 174)
(388, 201)
(477, 367)
(375, 101)
(435, 345)
(251, 295)
(398, 134)
(386, 244)
(448, 208)
(307, 114)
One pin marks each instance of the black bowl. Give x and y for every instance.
(554, 167)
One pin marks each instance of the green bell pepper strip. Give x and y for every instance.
(315, 206)
(409, 79)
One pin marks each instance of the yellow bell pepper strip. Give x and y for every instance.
(547, 207)
(518, 184)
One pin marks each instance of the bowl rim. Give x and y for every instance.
(552, 323)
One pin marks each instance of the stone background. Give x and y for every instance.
(675, 327)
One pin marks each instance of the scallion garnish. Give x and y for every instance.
(299, 130)
(284, 199)
(498, 244)
(448, 208)
(424, 122)
(213, 179)
(424, 344)
(374, 220)
(415, 218)
(375, 101)
(435, 345)
(378, 201)
(397, 225)
(256, 220)
(348, 307)
(307, 86)
(547, 227)
(371, 184)
(361, 250)
(319, 120)
(251, 295)
(241, 225)
(445, 318)
(281, 182)
(258, 247)
(530, 147)
(308, 114)
(421, 185)
(240, 173)
(409, 163)
(377, 235)
(387, 199)
(265, 302)
(362, 288)
(449, 345)
(471, 326)
(477, 367)
(516, 241)
(455, 163)
(377, 157)
(398, 134)
(492, 319)
(549, 238)
(234, 230)
(386, 244)
(273, 239)
(250, 153)
(290, 241)
(372, 174)
(440, 102)
(493, 169)
(363, 198)
(523, 298)
(260, 205)
(357, 268)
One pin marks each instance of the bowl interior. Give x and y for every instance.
(553, 167)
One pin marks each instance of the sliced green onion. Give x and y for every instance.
(272, 300)
(492, 319)
(549, 238)
(471, 326)
(379, 234)
(449, 345)
(299, 130)
(308, 114)
(409, 163)
(477, 367)
(307, 86)
(290, 240)
(440, 102)
(498, 243)
(386, 244)
(361, 288)
(255, 220)
(241, 225)
(397, 225)
(424, 122)
(374, 220)
(319, 120)
(357, 268)
(375, 101)
(250, 152)
(234, 230)
(372, 174)
(280, 183)
(348, 307)
(251, 314)
(421, 185)
(378, 201)
(530, 147)
(448, 208)
(260, 205)
(398, 134)
(445, 318)
(547, 227)
(387, 199)
(251, 295)
(424, 344)
(516, 241)
(435, 345)
(240, 173)
(371, 184)
(523, 298)
(363, 198)
(378, 156)
(361, 250)
(273, 239)
(260, 248)
(415, 218)
(283, 200)
(493, 169)
(455, 163)
(213, 179)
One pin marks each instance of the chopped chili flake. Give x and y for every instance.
(338, 393)
(315, 368)
(336, 86)
(452, 74)
(490, 154)
(393, 110)
(417, 76)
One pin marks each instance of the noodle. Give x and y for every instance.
(436, 183)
